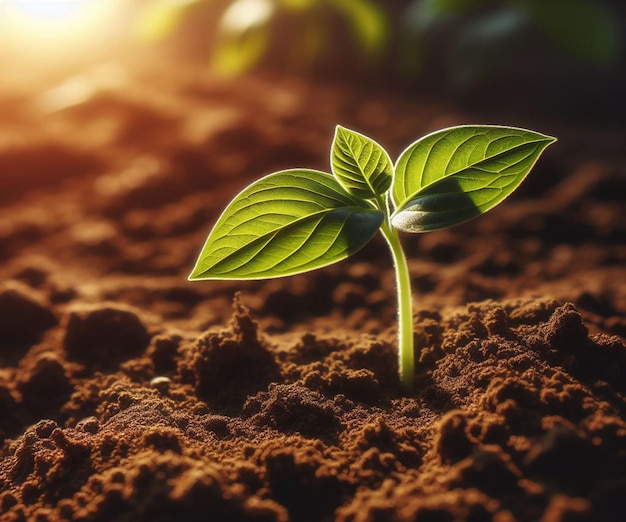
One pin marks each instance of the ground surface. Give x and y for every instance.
(127, 393)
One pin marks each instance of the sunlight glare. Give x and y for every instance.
(246, 14)
(46, 10)
(59, 30)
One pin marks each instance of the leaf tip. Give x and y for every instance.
(339, 130)
(549, 140)
(196, 274)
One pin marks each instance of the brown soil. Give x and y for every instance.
(129, 394)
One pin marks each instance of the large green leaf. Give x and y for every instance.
(360, 164)
(286, 223)
(453, 175)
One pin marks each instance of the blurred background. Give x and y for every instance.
(126, 126)
(560, 56)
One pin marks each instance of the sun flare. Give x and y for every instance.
(48, 11)
(56, 31)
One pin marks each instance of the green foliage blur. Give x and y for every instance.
(485, 37)
(459, 42)
(249, 31)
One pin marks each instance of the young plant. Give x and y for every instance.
(297, 220)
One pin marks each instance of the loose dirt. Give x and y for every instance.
(127, 393)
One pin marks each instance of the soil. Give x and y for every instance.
(130, 394)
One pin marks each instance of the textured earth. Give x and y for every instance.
(130, 394)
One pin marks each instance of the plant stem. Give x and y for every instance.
(406, 364)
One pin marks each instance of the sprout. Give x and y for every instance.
(298, 220)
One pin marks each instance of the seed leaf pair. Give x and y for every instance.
(298, 220)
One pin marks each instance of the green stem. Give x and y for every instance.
(406, 363)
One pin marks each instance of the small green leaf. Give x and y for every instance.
(456, 174)
(360, 164)
(286, 223)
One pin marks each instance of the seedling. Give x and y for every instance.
(297, 220)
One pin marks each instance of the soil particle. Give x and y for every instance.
(46, 383)
(552, 455)
(568, 509)
(489, 469)
(25, 315)
(24, 165)
(453, 442)
(102, 336)
(305, 482)
(225, 367)
(293, 408)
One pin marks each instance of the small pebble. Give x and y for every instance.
(88, 425)
(162, 384)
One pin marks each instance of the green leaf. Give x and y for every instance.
(456, 174)
(360, 164)
(286, 223)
